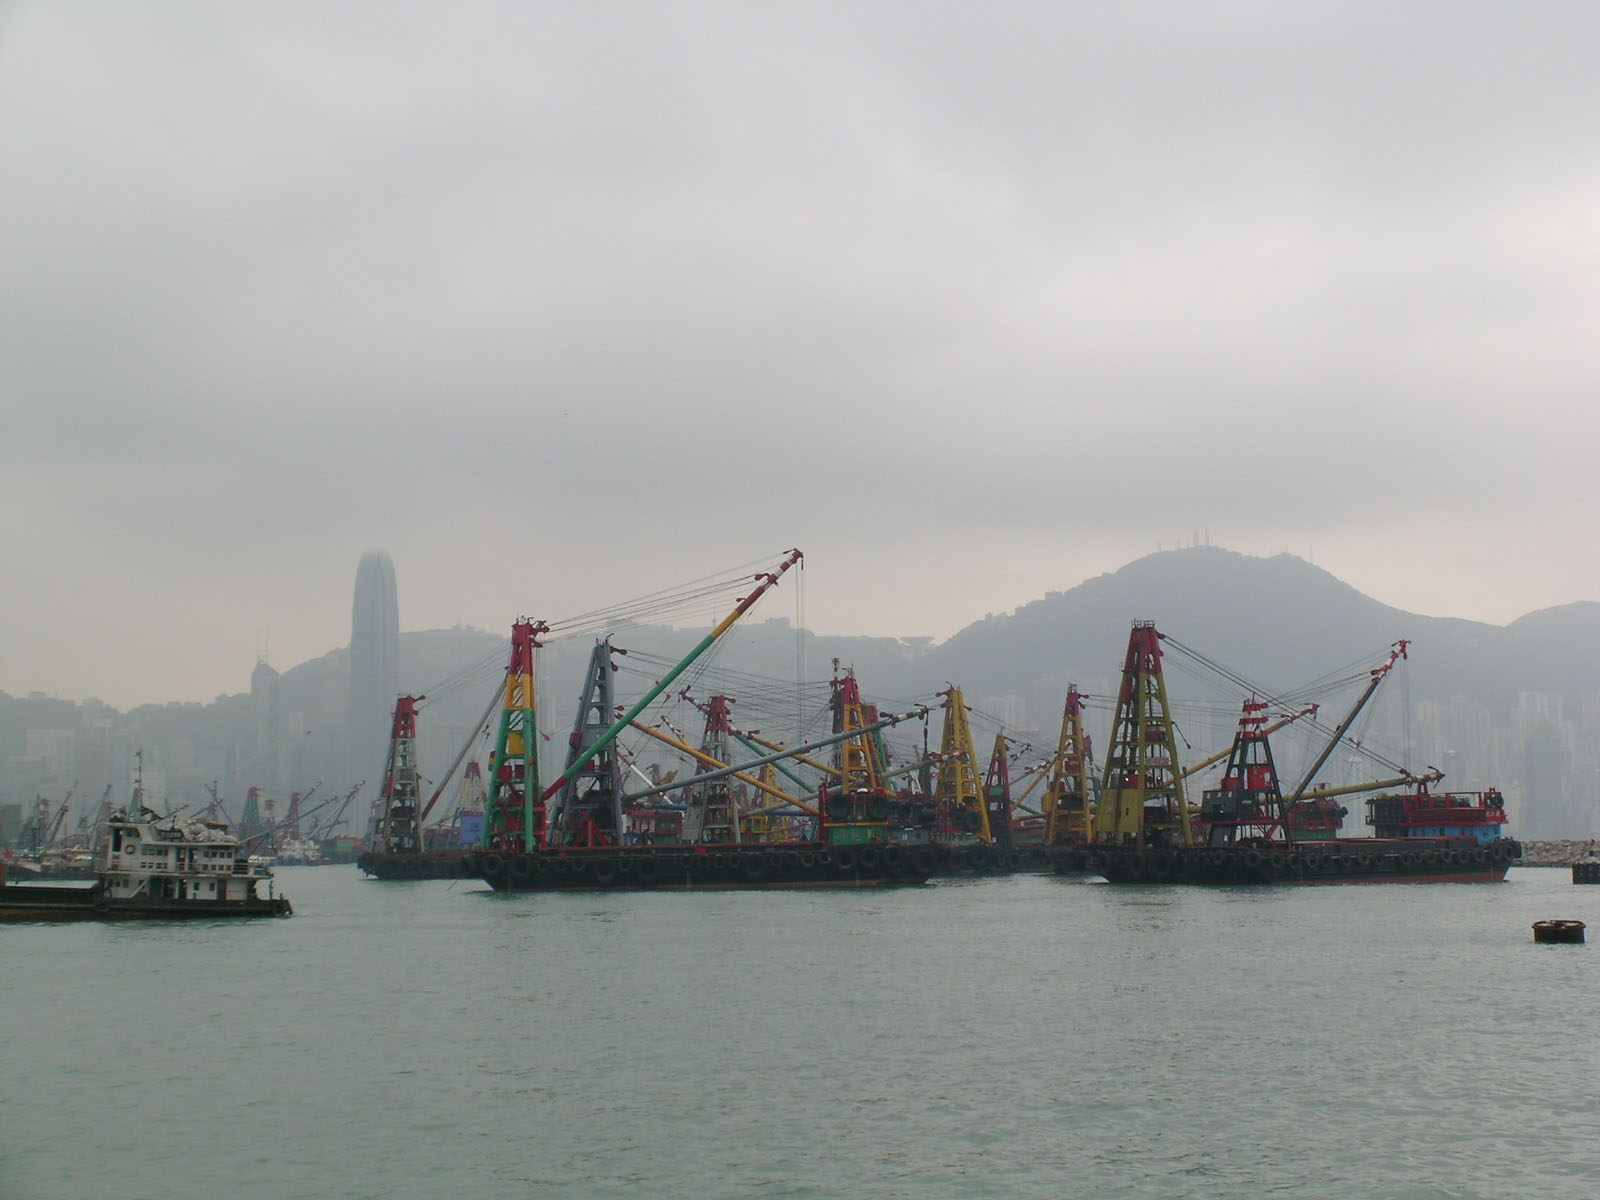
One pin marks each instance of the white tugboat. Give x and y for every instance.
(156, 867)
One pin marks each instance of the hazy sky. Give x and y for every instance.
(560, 303)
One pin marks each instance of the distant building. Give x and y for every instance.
(374, 666)
(260, 768)
(1010, 710)
(57, 749)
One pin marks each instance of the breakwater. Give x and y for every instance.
(1559, 853)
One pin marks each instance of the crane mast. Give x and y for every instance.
(1068, 818)
(1141, 795)
(957, 792)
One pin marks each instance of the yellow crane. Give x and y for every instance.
(1066, 807)
(957, 790)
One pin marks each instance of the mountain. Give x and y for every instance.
(1278, 621)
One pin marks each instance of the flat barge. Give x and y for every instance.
(638, 868)
(727, 866)
(1354, 860)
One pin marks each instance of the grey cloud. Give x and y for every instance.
(294, 280)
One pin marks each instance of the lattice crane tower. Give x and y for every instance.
(1066, 800)
(399, 802)
(956, 789)
(515, 816)
(589, 811)
(997, 792)
(1248, 802)
(1141, 796)
(858, 811)
(713, 803)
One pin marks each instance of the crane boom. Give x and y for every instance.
(1309, 711)
(1378, 675)
(494, 699)
(881, 723)
(768, 580)
(706, 760)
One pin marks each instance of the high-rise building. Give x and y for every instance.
(260, 768)
(374, 667)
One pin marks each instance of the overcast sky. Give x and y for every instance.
(561, 303)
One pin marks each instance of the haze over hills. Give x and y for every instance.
(1279, 621)
(1515, 706)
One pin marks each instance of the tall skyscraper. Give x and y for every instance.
(374, 668)
(266, 717)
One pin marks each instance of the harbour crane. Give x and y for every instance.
(55, 825)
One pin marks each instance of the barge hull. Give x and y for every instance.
(26, 902)
(770, 866)
(1321, 862)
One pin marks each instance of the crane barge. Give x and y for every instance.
(1252, 836)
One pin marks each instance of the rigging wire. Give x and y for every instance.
(685, 597)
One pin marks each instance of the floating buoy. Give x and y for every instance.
(1558, 931)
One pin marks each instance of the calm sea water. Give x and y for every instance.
(1023, 1037)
